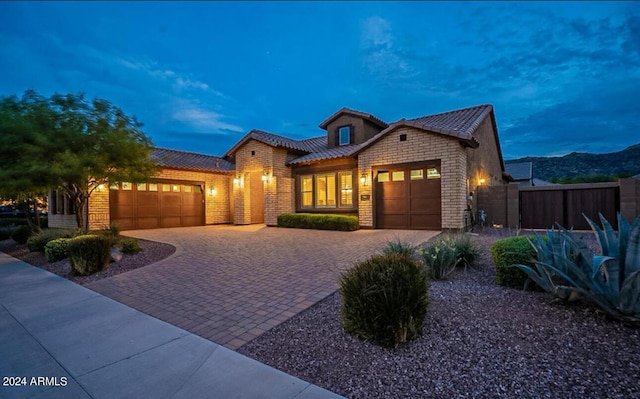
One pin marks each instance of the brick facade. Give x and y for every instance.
(419, 146)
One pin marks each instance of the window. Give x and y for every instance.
(175, 188)
(398, 175)
(306, 191)
(153, 186)
(383, 177)
(344, 135)
(166, 187)
(326, 191)
(432, 173)
(54, 202)
(417, 174)
(346, 189)
(187, 189)
(114, 186)
(127, 186)
(142, 186)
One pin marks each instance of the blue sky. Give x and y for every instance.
(562, 77)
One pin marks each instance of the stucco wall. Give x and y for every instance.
(419, 146)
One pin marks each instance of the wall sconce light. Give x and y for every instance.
(264, 176)
(213, 191)
(480, 181)
(236, 181)
(363, 179)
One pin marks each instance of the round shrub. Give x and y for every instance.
(56, 250)
(37, 242)
(130, 246)
(385, 299)
(89, 253)
(21, 234)
(511, 251)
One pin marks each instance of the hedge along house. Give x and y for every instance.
(411, 174)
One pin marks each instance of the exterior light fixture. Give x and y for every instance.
(236, 181)
(213, 191)
(264, 176)
(480, 181)
(363, 179)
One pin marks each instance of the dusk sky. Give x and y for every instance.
(562, 77)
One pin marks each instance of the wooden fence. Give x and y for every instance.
(545, 206)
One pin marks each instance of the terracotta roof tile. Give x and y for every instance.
(459, 123)
(190, 160)
(326, 153)
(271, 139)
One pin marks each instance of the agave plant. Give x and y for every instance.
(567, 268)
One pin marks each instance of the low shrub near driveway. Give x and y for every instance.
(385, 299)
(37, 242)
(56, 250)
(89, 253)
(21, 234)
(319, 221)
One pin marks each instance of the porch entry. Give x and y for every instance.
(256, 187)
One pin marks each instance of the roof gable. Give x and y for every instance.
(342, 111)
(175, 159)
(274, 140)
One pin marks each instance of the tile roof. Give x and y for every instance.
(271, 139)
(326, 153)
(364, 115)
(459, 123)
(190, 160)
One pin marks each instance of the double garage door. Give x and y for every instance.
(156, 204)
(408, 197)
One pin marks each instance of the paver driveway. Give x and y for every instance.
(230, 284)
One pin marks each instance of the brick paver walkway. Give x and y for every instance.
(230, 284)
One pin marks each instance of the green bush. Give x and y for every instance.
(400, 248)
(37, 242)
(319, 221)
(56, 249)
(89, 253)
(510, 251)
(439, 258)
(21, 234)
(13, 222)
(130, 246)
(385, 299)
(6, 232)
(466, 251)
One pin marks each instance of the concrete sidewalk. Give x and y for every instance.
(84, 345)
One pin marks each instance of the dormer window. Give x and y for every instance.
(344, 135)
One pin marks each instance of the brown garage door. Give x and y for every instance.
(409, 197)
(156, 204)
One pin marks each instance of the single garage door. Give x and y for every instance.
(409, 197)
(156, 204)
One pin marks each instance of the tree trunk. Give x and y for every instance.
(82, 220)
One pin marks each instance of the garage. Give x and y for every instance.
(408, 196)
(156, 204)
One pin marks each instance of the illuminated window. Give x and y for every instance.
(127, 186)
(141, 186)
(397, 175)
(166, 187)
(326, 191)
(346, 189)
(114, 186)
(306, 191)
(187, 189)
(383, 177)
(432, 173)
(417, 174)
(175, 188)
(153, 186)
(197, 189)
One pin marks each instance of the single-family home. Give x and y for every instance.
(418, 173)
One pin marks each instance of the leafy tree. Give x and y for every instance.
(67, 142)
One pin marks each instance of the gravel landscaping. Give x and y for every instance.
(151, 252)
(479, 340)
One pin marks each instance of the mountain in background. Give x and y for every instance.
(625, 162)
